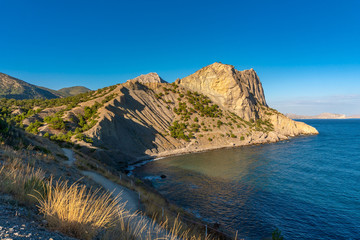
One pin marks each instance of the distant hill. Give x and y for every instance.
(354, 116)
(72, 91)
(11, 87)
(320, 116)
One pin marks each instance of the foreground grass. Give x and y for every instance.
(155, 206)
(82, 212)
(21, 181)
(77, 211)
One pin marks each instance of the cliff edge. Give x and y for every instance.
(242, 93)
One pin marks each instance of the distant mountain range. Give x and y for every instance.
(11, 87)
(321, 116)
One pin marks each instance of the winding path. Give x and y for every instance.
(129, 197)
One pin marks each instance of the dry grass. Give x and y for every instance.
(140, 227)
(84, 213)
(78, 211)
(21, 181)
(168, 215)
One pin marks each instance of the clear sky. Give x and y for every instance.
(306, 53)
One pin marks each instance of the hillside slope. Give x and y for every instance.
(215, 107)
(11, 87)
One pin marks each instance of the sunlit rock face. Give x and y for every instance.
(238, 91)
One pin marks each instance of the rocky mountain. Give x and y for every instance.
(11, 87)
(72, 91)
(320, 116)
(216, 107)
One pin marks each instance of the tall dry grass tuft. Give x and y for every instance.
(128, 226)
(21, 180)
(137, 226)
(78, 211)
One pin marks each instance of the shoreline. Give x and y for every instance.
(141, 161)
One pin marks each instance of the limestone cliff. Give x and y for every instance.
(241, 92)
(237, 91)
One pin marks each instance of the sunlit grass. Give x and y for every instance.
(20, 180)
(78, 211)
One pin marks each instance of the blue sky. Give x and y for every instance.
(306, 53)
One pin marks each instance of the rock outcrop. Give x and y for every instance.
(242, 93)
(286, 127)
(237, 91)
(148, 78)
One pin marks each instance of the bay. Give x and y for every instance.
(308, 187)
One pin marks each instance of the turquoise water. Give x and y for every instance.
(308, 187)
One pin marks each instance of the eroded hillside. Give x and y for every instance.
(215, 107)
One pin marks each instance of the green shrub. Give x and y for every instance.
(55, 122)
(177, 131)
(33, 127)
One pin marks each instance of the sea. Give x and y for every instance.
(308, 187)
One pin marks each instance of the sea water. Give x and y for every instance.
(308, 187)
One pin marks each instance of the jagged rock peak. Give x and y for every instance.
(238, 91)
(148, 78)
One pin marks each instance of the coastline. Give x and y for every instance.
(141, 161)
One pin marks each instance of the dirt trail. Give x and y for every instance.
(129, 197)
(70, 155)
